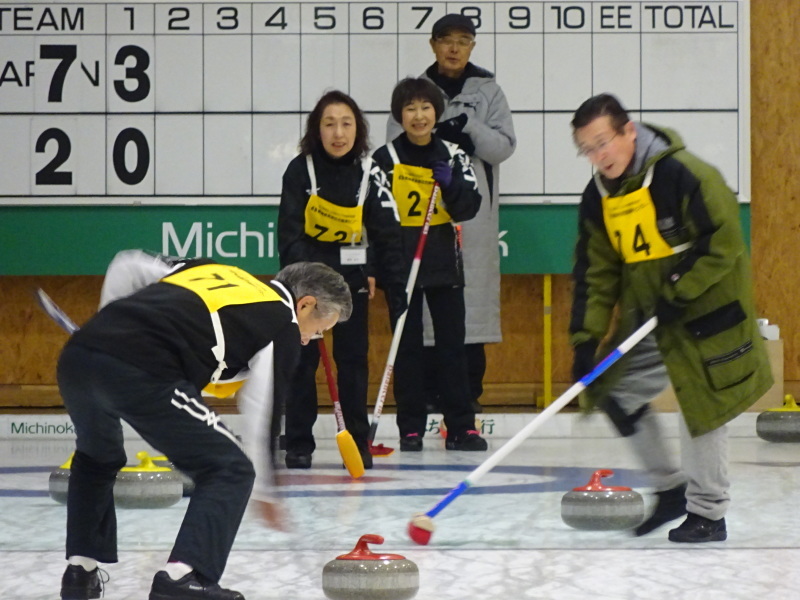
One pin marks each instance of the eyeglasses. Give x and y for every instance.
(599, 147)
(461, 43)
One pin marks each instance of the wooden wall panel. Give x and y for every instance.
(775, 138)
(31, 341)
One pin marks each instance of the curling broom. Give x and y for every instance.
(420, 528)
(54, 311)
(347, 445)
(380, 449)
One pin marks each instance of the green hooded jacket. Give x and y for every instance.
(714, 354)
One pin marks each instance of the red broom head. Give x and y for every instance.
(420, 529)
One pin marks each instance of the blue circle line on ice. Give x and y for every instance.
(556, 479)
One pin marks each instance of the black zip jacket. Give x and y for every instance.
(338, 181)
(442, 263)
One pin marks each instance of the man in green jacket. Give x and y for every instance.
(659, 233)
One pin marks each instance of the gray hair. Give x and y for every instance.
(323, 283)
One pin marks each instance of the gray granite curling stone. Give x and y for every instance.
(147, 485)
(597, 507)
(144, 486)
(188, 482)
(780, 424)
(362, 575)
(59, 482)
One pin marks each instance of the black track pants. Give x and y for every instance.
(98, 391)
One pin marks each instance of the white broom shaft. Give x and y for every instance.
(524, 433)
(401, 320)
(560, 403)
(389, 369)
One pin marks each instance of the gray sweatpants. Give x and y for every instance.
(704, 459)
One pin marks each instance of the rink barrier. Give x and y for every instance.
(493, 426)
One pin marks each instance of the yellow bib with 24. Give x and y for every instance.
(412, 188)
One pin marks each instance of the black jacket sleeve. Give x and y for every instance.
(293, 245)
(383, 228)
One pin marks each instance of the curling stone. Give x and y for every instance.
(144, 486)
(188, 482)
(59, 481)
(597, 507)
(363, 575)
(147, 485)
(780, 424)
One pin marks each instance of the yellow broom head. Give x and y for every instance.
(350, 454)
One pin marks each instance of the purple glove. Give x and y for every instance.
(442, 173)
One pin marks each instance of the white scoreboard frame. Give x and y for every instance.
(216, 99)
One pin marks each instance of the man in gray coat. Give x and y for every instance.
(477, 118)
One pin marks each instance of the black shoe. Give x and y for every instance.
(79, 584)
(671, 505)
(366, 458)
(189, 587)
(298, 460)
(411, 442)
(470, 441)
(696, 530)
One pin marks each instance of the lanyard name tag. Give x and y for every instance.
(353, 255)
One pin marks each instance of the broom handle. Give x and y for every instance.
(401, 321)
(545, 415)
(337, 408)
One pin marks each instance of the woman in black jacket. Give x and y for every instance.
(414, 161)
(334, 199)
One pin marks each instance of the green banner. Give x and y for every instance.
(81, 240)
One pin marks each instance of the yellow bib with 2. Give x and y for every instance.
(412, 188)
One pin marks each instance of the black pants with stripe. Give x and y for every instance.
(99, 390)
(350, 346)
(447, 310)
